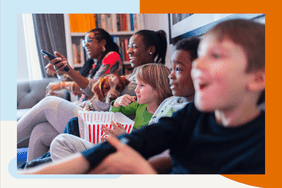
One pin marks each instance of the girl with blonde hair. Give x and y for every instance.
(152, 88)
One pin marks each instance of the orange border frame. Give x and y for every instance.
(273, 39)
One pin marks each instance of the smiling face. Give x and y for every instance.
(219, 75)
(180, 76)
(93, 47)
(146, 94)
(138, 54)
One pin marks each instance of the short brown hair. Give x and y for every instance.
(250, 35)
(156, 75)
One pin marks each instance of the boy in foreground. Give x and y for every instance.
(222, 132)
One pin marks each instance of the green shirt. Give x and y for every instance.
(142, 116)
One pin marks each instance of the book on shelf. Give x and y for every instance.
(81, 23)
(75, 54)
(131, 22)
(114, 22)
(92, 21)
(124, 19)
(81, 52)
(97, 20)
(103, 21)
(126, 49)
(141, 20)
(109, 24)
(120, 23)
(116, 40)
(79, 56)
(123, 52)
(128, 22)
(135, 22)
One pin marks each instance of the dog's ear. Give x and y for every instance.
(124, 80)
(98, 89)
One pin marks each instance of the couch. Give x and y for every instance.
(30, 92)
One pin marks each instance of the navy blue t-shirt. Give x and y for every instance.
(198, 145)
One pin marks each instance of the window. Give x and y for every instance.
(34, 70)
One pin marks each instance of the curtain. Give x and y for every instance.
(50, 36)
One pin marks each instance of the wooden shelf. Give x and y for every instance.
(118, 33)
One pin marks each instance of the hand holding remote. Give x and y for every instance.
(66, 69)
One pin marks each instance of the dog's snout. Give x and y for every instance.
(111, 97)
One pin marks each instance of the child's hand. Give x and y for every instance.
(124, 100)
(124, 161)
(118, 129)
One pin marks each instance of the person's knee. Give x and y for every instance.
(63, 145)
(50, 99)
(57, 141)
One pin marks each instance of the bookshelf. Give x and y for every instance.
(120, 26)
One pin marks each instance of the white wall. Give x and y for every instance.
(22, 69)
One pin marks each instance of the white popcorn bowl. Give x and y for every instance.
(90, 124)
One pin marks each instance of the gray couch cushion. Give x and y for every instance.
(30, 92)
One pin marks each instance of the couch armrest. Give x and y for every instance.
(31, 92)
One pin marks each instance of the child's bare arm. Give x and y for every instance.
(76, 164)
(124, 161)
(161, 163)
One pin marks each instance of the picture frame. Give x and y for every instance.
(188, 25)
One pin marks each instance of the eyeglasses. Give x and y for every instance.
(87, 41)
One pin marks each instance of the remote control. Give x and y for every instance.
(53, 57)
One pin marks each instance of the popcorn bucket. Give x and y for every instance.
(90, 124)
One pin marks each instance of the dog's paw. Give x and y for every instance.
(86, 108)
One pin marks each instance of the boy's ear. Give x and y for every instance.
(257, 82)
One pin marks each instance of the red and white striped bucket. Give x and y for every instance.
(90, 124)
